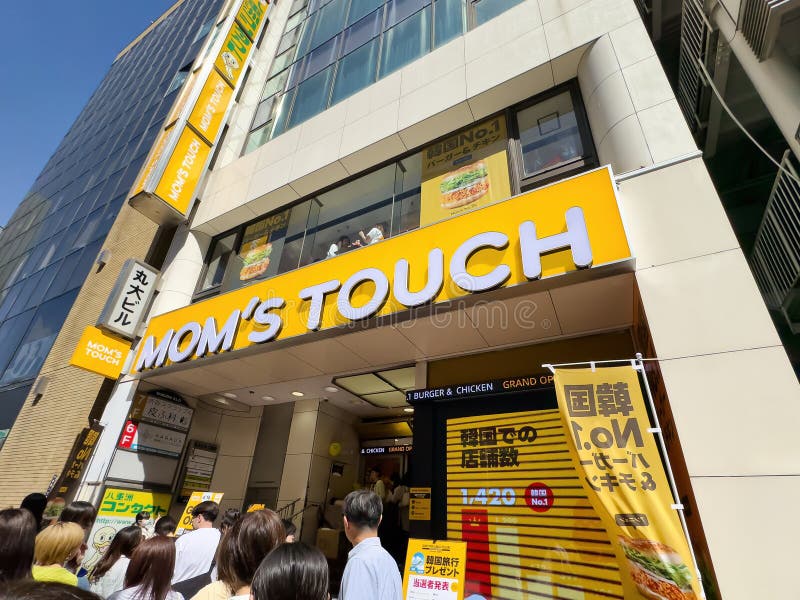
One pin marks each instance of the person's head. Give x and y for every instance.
(292, 572)
(82, 513)
(151, 567)
(143, 519)
(381, 226)
(35, 503)
(245, 545)
(58, 543)
(166, 526)
(204, 514)
(124, 543)
(28, 589)
(291, 530)
(17, 536)
(374, 475)
(362, 512)
(229, 517)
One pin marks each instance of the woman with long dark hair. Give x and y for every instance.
(292, 572)
(17, 539)
(35, 503)
(150, 571)
(241, 550)
(108, 576)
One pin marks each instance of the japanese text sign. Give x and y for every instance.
(185, 524)
(151, 409)
(620, 468)
(434, 570)
(73, 469)
(100, 353)
(143, 437)
(129, 300)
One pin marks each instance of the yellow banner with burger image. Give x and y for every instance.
(621, 470)
(465, 171)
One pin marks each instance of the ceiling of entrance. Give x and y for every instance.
(307, 370)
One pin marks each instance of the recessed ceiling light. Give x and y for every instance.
(221, 400)
(408, 409)
(298, 394)
(230, 395)
(331, 389)
(268, 398)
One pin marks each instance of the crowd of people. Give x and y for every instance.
(251, 556)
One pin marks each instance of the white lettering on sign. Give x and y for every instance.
(103, 353)
(211, 106)
(192, 339)
(176, 188)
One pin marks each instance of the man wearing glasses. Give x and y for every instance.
(195, 550)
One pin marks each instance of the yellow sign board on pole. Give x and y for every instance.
(100, 353)
(185, 524)
(184, 169)
(620, 469)
(435, 570)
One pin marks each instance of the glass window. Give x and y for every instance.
(205, 28)
(295, 235)
(489, 9)
(361, 32)
(330, 21)
(312, 97)
(356, 71)
(401, 9)
(549, 135)
(407, 190)
(275, 84)
(220, 254)
(257, 138)
(288, 40)
(405, 42)
(320, 58)
(294, 20)
(280, 63)
(29, 286)
(264, 112)
(297, 5)
(305, 35)
(11, 333)
(448, 20)
(8, 301)
(63, 281)
(359, 8)
(282, 112)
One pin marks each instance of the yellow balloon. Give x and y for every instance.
(335, 449)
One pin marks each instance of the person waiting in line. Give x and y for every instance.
(374, 235)
(28, 589)
(241, 550)
(229, 517)
(36, 503)
(83, 514)
(149, 571)
(371, 573)
(195, 549)
(59, 544)
(376, 483)
(292, 572)
(17, 540)
(291, 530)
(145, 524)
(108, 576)
(166, 526)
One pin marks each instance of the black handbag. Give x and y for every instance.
(188, 588)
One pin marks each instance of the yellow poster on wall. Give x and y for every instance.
(100, 353)
(185, 524)
(622, 473)
(465, 171)
(184, 169)
(515, 498)
(435, 570)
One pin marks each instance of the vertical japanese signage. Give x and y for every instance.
(155, 410)
(73, 469)
(514, 497)
(622, 473)
(185, 524)
(199, 468)
(129, 299)
(118, 509)
(434, 570)
(166, 186)
(100, 353)
(467, 170)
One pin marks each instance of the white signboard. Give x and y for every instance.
(143, 437)
(151, 409)
(130, 299)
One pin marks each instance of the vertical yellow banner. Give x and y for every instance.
(621, 470)
(231, 59)
(185, 524)
(184, 169)
(435, 570)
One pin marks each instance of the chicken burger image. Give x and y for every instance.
(657, 569)
(465, 185)
(255, 261)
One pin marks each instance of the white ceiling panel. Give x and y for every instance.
(515, 320)
(330, 356)
(443, 334)
(595, 305)
(381, 346)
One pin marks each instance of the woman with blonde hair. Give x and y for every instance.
(55, 545)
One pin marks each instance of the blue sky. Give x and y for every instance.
(52, 57)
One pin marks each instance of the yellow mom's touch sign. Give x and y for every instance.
(100, 353)
(435, 570)
(185, 524)
(544, 233)
(622, 474)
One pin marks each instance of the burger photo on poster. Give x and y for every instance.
(657, 569)
(464, 185)
(255, 261)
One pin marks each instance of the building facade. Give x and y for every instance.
(439, 195)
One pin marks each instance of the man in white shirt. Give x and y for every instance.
(371, 572)
(195, 550)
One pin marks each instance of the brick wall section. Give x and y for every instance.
(38, 444)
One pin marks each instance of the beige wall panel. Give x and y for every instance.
(295, 477)
(230, 475)
(237, 435)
